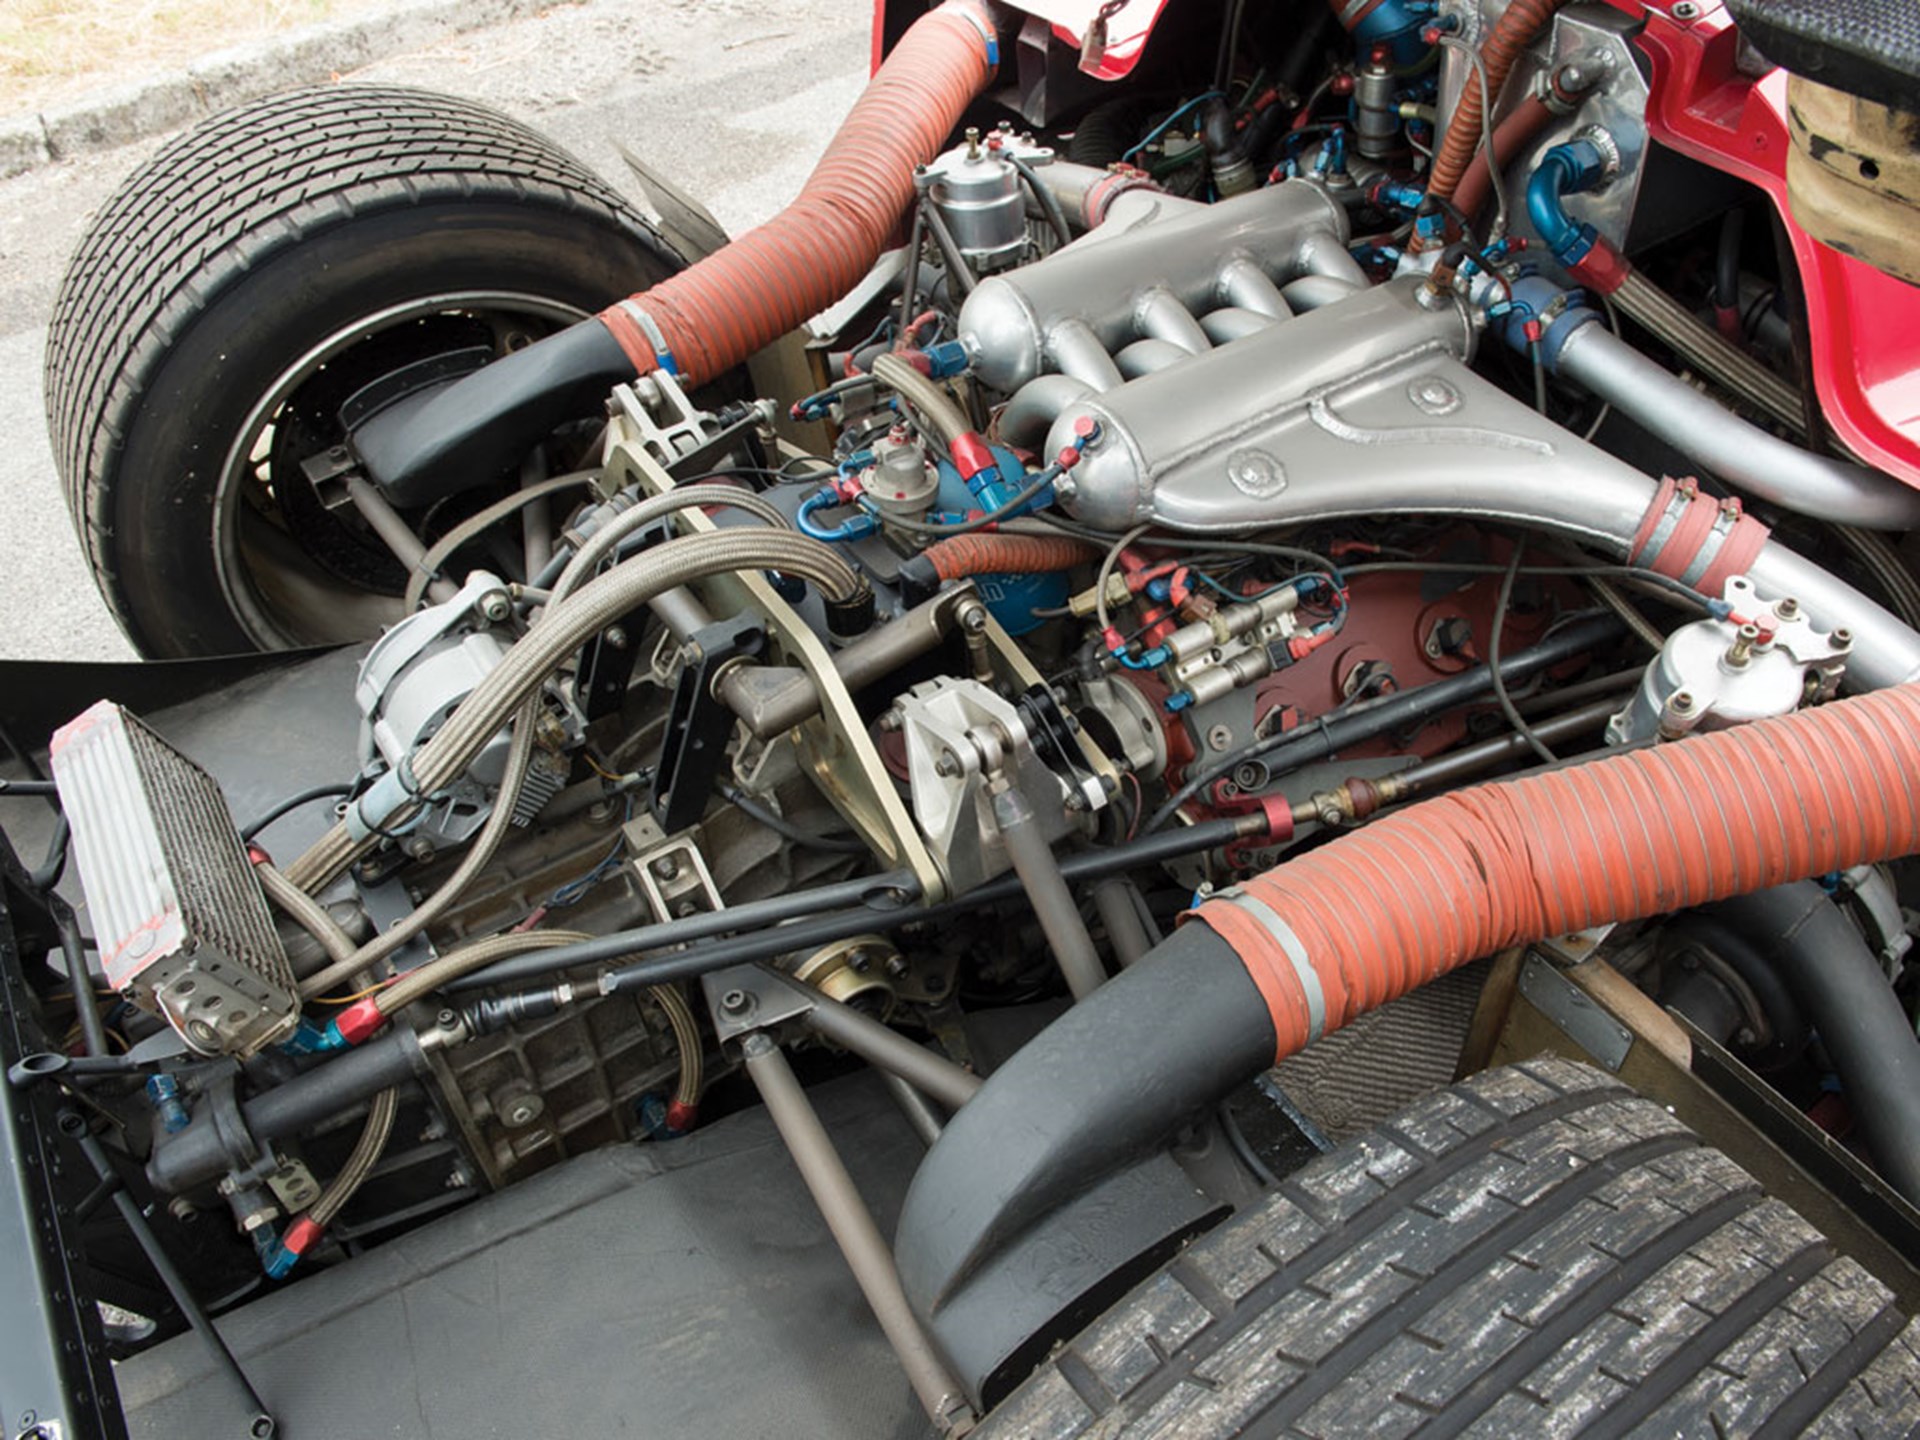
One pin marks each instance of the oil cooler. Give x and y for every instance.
(181, 922)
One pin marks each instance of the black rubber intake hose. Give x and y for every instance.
(1827, 965)
(1108, 1083)
(439, 442)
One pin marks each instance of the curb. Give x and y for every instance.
(124, 114)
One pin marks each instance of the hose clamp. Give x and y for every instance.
(1296, 953)
(655, 336)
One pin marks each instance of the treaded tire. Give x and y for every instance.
(240, 247)
(1536, 1252)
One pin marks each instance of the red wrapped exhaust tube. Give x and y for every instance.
(1514, 32)
(1075, 1121)
(713, 315)
(1383, 910)
(707, 319)
(964, 555)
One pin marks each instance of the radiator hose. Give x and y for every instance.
(1305, 948)
(710, 317)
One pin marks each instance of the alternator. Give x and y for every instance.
(412, 680)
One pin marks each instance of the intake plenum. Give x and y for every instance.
(1154, 267)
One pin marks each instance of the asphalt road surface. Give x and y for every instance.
(732, 100)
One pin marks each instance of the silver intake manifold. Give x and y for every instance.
(1173, 327)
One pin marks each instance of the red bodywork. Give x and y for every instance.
(1864, 324)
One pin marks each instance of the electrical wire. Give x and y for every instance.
(1500, 692)
(1107, 563)
(1195, 783)
(1048, 201)
(1628, 612)
(1167, 124)
(283, 808)
(574, 891)
(1238, 1143)
(1307, 559)
(1678, 589)
(1486, 131)
(1606, 406)
(785, 828)
(998, 515)
(427, 568)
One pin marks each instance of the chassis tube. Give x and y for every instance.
(852, 1225)
(890, 1051)
(1054, 905)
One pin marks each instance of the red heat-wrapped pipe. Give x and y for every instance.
(1510, 137)
(714, 314)
(964, 555)
(1386, 909)
(1512, 35)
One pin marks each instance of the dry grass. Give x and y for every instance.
(54, 50)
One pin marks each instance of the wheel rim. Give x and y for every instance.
(276, 584)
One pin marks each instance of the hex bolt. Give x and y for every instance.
(665, 868)
(1220, 737)
(896, 967)
(496, 606)
(892, 720)
(735, 1002)
(616, 638)
(1684, 10)
(1788, 609)
(948, 765)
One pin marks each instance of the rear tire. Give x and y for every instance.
(1536, 1251)
(304, 244)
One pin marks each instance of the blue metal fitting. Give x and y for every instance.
(945, 359)
(1564, 170)
(1398, 195)
(275, 1258)
(164, 1092)
(826, 498)
(311, 1039)
(1534, 299)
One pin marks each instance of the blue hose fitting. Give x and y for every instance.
(827, 498)
(164, 1092)
(1565, 170)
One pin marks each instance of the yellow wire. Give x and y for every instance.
(349, 999)
(602, 771)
